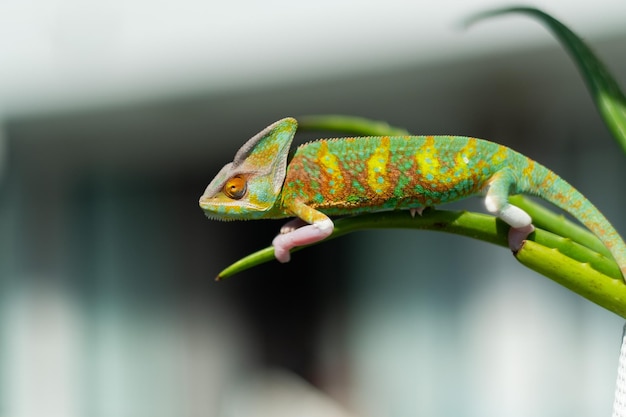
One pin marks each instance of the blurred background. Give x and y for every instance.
(114, 116)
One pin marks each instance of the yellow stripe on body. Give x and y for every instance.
(427, 160)
(467, 153)
(331, 170)
(377, 167)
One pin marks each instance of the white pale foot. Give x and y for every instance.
(518, 219)
(521, 225)
(292, 225)
(305, 235)
(514, 216)
(517, 236)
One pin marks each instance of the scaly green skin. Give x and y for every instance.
(356, 175)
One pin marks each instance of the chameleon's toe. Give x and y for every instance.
(281, 251)
(292, 225)
(517, 236)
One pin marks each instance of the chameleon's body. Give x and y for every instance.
(356, 175)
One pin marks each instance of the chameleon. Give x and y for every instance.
(346, 176)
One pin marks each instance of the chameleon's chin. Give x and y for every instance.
(215, 216)
(222, 213)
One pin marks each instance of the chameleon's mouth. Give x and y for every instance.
(225, 209)
(205, 202)
(215, 211)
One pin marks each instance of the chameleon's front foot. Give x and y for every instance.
(291, 237)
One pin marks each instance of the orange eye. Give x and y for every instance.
(235, 187)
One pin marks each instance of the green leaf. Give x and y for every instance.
(349, 124)
(606, 93)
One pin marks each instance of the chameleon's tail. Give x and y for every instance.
(549, 186)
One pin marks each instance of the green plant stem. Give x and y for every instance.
(474, 225)
(558, 224)
(580, 278)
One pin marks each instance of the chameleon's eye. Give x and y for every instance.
(235, 187)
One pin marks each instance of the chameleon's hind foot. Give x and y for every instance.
(517, 236)
(496, 202)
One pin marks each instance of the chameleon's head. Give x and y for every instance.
(248, 187)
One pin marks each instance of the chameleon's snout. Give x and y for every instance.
(220, 207)
(215, 212)
(204, 202)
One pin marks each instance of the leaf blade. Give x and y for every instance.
(606, 93)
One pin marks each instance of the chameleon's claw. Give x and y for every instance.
(418, 210)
